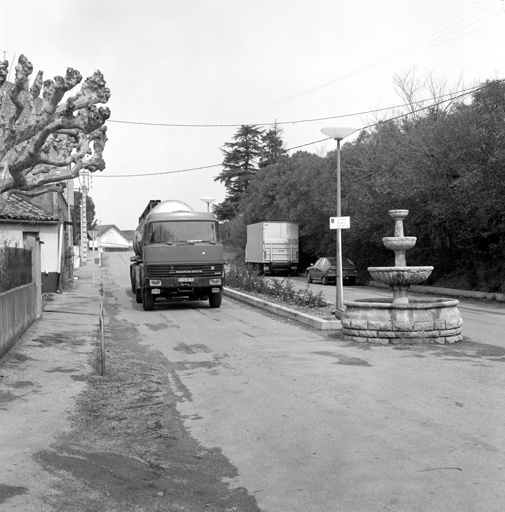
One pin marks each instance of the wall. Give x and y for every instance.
(18, 310)
(49, 255)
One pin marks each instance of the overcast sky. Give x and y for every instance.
(232, 62)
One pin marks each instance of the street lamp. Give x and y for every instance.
(339, 133)
(208, 200)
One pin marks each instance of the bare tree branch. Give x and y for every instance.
(44, 138)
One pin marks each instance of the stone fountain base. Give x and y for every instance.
(380, 321)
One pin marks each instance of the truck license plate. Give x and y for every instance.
(186, 279)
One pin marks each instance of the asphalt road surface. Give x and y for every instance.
(313, 423)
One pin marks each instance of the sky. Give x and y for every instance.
(185, 74)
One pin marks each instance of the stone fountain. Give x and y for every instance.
(400, 319)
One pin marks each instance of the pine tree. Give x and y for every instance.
(240, 164)
(272, 147)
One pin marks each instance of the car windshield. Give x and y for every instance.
(183, 231)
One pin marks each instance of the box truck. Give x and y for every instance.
(272, 247)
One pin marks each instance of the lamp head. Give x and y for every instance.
(338, 133)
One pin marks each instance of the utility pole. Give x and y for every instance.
(84, 217)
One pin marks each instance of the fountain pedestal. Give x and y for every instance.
(400, 319)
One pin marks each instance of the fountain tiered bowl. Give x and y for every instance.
(401, 319)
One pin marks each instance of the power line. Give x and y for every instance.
(408, 50)
(451, 98)
(406, 114)
(182, 125)
(157, 173)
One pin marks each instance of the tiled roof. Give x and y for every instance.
(103, 228)
(20, 209)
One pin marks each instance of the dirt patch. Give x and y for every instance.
(128, 448)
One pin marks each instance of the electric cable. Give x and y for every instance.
(452, 98)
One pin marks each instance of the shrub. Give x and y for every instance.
(246, 279)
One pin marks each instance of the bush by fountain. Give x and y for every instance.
(400, 319)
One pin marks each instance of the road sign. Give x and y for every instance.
(340, 222)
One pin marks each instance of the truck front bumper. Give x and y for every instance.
(185, 282)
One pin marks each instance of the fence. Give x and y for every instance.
(101, 323)
(15, 267)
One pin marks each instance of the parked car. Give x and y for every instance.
(325, 270)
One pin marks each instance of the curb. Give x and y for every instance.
(312, 321)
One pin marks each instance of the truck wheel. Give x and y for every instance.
(215, 299)
(325, 281)
(148, 300)
(138, 295)
(309, 279)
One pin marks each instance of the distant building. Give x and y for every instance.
(108, 237)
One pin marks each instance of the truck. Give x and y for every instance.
(178, 255)
(272, 247)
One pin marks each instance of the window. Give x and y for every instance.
(27, 234)
(183, 231)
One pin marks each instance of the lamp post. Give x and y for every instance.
(208, 200)
(339, 133)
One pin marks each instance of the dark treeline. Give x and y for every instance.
(445, 164)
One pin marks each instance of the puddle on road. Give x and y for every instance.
(59, 369)
(192, 349)
(345, 360)
(9, 491)
(6, 397)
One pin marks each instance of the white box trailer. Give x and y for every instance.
(272, 247)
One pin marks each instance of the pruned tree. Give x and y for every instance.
(43, 139)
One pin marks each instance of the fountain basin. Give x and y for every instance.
(380, 321)
(396, 243)
(400, 276)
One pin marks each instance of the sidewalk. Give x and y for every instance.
(39, 380)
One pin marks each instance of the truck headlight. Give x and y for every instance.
(154, 282)
(214, 281)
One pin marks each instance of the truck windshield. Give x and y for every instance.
(183, 231)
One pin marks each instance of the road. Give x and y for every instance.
(313, 423)
(483, 321)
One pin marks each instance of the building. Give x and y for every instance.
(47, 218)
(108, 237)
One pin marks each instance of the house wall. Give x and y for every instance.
(49, 234)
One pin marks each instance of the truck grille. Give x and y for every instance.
(161, 271)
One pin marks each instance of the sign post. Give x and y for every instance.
(339, 223)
